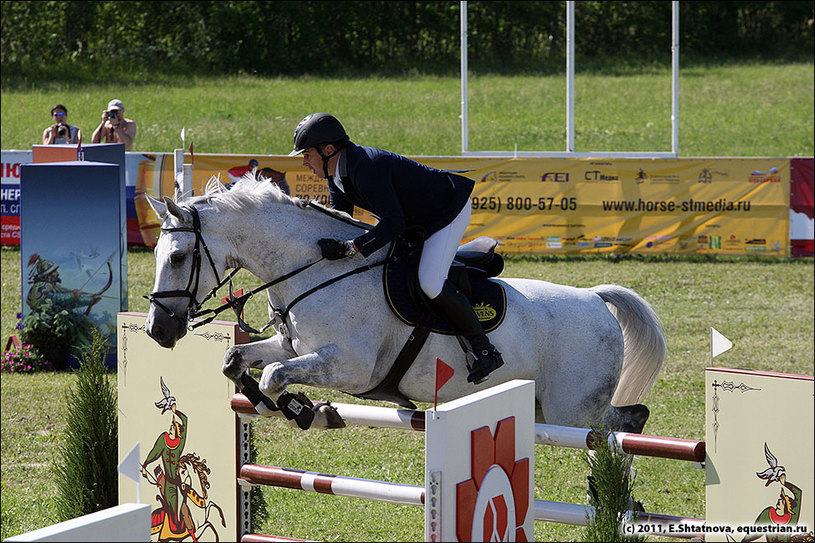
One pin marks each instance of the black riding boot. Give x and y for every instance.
(454, 306)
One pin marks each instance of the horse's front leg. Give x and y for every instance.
(324, 368)
(239, 358)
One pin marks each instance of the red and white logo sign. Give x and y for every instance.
(493, 503)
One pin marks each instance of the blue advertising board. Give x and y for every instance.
(73, 250)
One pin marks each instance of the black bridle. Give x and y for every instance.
(189, 291)
(237, 303)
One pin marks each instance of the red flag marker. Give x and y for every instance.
(443, 374)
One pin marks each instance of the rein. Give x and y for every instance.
(237, 304)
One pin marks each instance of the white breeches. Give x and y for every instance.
(439, 251)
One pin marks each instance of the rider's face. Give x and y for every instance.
(313, 161)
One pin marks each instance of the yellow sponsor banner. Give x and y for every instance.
(733, 206)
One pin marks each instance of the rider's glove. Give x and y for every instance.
(334, 249)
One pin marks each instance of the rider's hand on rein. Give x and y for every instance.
(334, 249)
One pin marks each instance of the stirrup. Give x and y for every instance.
(483, 365)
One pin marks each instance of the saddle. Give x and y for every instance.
(473, 266)
(475, 263)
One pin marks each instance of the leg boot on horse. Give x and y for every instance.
(453, 305)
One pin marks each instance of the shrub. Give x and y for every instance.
(86, 478)
(610, 491)
(56, 331)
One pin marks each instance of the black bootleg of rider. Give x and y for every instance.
(403, 194)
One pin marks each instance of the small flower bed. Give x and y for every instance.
(24, 359)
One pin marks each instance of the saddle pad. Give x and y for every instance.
(488, 298)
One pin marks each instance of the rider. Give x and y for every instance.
(403, 194)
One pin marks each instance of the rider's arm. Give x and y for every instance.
(377, 186)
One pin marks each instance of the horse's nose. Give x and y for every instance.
(160, 335)
(156, 332)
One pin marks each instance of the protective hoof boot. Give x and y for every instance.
(263, 404)
(486, 362)
(298, 407)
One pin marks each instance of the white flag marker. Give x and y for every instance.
(130, 467)
(718, 344)
(182, 136)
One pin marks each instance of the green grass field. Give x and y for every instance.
(732, 110)
(763, 306)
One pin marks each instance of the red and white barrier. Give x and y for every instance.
(332, 484)
(477, 487)
(362, 415)
(545, 434)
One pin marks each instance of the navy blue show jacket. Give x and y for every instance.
(402, 193)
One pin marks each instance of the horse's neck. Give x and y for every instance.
(280, 238)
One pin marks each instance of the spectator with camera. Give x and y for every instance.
(60, 131)
(115, 128)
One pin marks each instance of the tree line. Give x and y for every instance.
(362, 37)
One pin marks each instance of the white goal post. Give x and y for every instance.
(570, 152)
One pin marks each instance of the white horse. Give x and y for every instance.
(592, 352)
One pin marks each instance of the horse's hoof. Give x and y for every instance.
(333, 420)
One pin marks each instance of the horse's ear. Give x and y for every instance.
(175, 211)
(158, 207)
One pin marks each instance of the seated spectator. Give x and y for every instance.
(114, 128)
(60, 131)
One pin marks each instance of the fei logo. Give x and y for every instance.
(493, 503)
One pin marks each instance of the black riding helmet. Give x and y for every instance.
(319, 129)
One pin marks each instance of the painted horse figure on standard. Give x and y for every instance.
(592, 352)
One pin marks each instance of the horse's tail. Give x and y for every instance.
(645, 348)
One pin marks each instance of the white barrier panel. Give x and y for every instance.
(126, 522)
(174, 404)
(479, 466)
(759, 469)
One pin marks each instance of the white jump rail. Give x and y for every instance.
(545, 434)
(335, 485)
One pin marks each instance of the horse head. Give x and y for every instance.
(187, 267)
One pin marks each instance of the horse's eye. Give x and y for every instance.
(177, 259)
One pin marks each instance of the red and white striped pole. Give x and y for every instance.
(333, 484)
(545, 434)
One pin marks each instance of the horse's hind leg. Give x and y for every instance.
(630, 418)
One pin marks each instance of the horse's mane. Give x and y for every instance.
(245, 192)
(248, 192)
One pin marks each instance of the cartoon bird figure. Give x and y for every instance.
(774, 472)
(167, 402)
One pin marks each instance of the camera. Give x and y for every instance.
(111, 114)
(62, 130)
